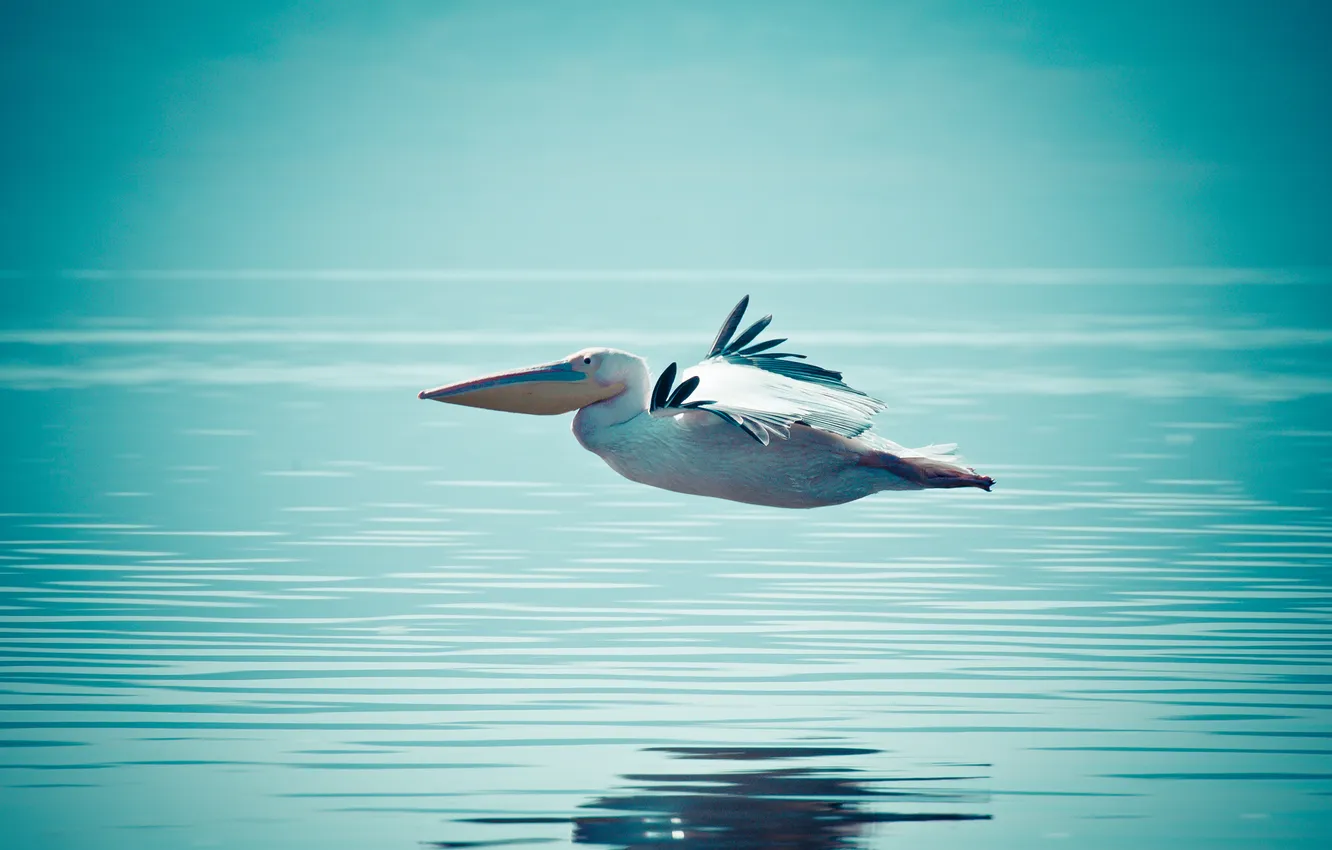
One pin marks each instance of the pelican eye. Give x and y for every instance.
(587, 360)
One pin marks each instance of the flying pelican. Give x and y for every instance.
(747, 424)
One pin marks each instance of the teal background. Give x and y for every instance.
(253, 593)
(645, 135)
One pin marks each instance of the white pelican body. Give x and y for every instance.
(746, 424)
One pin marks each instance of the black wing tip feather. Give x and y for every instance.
(682, 392)
(728, 327)
(763, 346)
(748, 336)
(662, 390)
(743, 351)
(663, 398)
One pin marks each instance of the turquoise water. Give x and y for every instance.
(255, 594)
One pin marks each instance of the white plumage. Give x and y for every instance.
(776, 402)
(749, 423)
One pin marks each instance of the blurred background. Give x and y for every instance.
(225, 135)
(253, 593)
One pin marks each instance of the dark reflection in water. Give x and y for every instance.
(807, 807)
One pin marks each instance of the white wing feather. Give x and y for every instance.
(762, 391)
(775, 402)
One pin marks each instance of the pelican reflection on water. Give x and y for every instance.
(748, 423)
(782, 806)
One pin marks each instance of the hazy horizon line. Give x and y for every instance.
(1042, 275)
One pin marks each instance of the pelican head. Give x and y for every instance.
(583, 378)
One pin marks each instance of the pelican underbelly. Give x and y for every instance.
(699, 454)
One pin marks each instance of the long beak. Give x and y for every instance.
(546, 389)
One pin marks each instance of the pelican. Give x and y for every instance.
(748, 423)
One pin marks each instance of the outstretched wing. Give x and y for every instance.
(764, 391)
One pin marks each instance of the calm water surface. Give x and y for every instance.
(255, 594)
